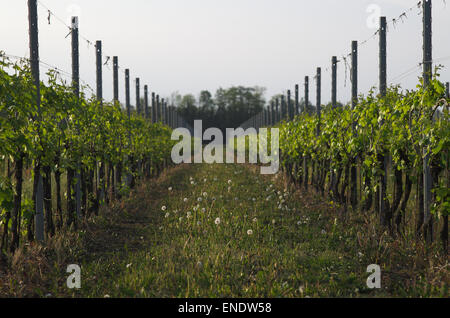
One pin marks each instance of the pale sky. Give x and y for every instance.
(191, 45)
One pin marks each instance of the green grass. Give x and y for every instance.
(157, 244)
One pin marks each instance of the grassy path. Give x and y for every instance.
(264, 245)
(226, 231)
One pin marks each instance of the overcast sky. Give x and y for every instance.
(191, 45)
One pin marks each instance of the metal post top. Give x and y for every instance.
(75, 22)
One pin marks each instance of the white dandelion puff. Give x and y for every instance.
(250, 232)
(217, 221)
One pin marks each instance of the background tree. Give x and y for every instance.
(228, 109)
